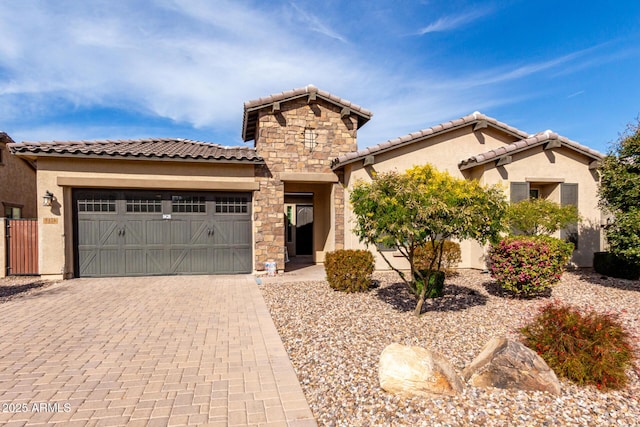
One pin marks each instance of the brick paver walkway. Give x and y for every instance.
(157, 351)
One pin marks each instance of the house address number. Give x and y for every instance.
(50, 220)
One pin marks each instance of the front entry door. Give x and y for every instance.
(304, 229)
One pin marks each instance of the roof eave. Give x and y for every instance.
(412, 141)
(250, 135)
(473, 163)
(33, 156)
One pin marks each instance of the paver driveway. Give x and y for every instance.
(180, 350)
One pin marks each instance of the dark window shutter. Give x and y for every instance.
(569, 196)
(519, 191)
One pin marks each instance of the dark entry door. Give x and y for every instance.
(138, 233)
(304, 229)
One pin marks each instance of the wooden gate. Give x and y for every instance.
(22, 247)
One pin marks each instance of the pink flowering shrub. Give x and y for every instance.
(527, 265)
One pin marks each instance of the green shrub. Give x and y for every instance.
(451, 256)
(527, 265)
(349, 270)
(436, 282)
(612, 265)
(540, 216)
(586, 348)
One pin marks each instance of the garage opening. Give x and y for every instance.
(141, 233)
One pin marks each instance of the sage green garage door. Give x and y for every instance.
(140, 233)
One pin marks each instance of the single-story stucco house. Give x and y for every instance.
(175, 206)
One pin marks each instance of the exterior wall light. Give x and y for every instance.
(47, 198)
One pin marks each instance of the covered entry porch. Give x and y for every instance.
(310, 216)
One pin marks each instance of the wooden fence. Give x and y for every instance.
(21, 247)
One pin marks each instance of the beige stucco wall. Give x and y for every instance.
(61, 175)
(555, 166)
(446, 151)
(17, 184)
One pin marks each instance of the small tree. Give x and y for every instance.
(620, 194)
(424, 206)
(534, 217)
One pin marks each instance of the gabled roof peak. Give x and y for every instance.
(391, 144)
(535, 140)
(252, 107)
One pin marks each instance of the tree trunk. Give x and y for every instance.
(418, 309)
(425, 287)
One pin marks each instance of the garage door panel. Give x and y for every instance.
(180, 233)
(108, 232)
(108, 262)
(236, 260)
(200, 260)
(135, 262)
(190, 261)
(123, 232)
(156, 261)
(134, 233)
(89, 262)
(200, 232)
(223, 261)
(242, 260)
(155, 231)
(241, 232)
(89, 232)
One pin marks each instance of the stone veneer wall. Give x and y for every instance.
(280, 141)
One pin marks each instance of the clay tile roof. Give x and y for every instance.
(158, 149)
(251, 108)
(413, 137)
(5, 138)
(526, 144)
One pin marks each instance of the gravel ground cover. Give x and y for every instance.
(334, 340)
(18, 286)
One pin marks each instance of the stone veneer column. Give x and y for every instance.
(269, 220)
(339, 204)
(280, 142)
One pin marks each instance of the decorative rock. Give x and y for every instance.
(509, 364)
(411, 371)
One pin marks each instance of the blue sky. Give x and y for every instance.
(108, 69)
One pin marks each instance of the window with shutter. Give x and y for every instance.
(569, 197)
(519, 191)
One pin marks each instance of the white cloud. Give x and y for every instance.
(573, 95)
(315, 24)
(453, 22)
(191, 61)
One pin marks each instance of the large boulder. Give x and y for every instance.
(503, 363)
(415, 371)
